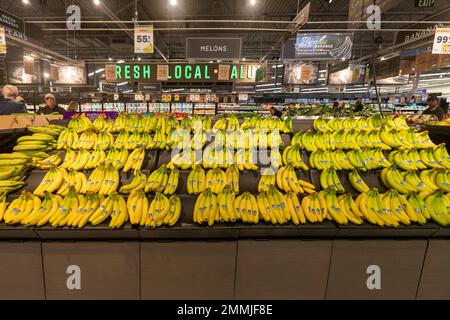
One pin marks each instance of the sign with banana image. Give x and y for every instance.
(324, 46)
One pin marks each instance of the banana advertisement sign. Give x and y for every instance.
(324, 46)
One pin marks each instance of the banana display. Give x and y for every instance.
(82, 183)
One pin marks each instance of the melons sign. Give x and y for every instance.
(182, 72)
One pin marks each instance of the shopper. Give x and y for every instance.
(275, 112)
(9, 104)
(341, 105)
(20, 99)
(358, 105)
(73, 106)
(50, 106)
(434, 108)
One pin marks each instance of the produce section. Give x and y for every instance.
(83, 167)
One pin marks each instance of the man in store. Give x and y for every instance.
(358, 105)
(434, 108)
(50, 106)
(275, 112)
(9, 104)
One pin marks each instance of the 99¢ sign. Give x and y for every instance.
(441, 44)
(143, 39)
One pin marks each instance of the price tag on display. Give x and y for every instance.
(143, 39)
(441, 44)
(2, 41)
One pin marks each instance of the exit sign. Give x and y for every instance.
(425, 3)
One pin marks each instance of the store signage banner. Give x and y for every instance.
(15, 27)
(323, 46)
(213, 48)
(187, 72)
(2, 41)
(244, 87)
(428, 29)
(149, 87)
(353, 74)
(301, 73)
(92, 115)
(143, 39)
(441, 43)
(70, 75)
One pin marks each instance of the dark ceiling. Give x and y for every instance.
(100, 44)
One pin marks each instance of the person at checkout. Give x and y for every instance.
(50, 106)
(434, 108)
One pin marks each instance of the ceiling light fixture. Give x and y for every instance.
(110, 59)
(173, 2)
(252, 2)
(121, 61)
(46, 75)
(139, 58)
(243, 59)
(97, 2)
(25, 1)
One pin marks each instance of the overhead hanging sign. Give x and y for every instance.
(149, 87)
(15, 27)
(300, 19)
(352, 74)
(244, 87)
(301, 73)
(143, 39)
(213, 48)
(2, 41)
(441, 43)
(323, 46)
(187, 72)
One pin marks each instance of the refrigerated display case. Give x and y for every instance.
(114, 106)
(137, 107)
(159, 107)
(182, 107)
(205, 108)
(91, 106)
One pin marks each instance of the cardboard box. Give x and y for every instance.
(107, 270)
(354, 272)
(188, 270)
(435, 280)
(21, 274)
(282, 269)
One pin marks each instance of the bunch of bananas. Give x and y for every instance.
(114, 207)
(137, 184)
(66, 138)
(158, 141)
(436, 157)
(20, 208)
(437, 205)
(330, 179)
(272, 206)
(232, 177)
(265, 182)
(87, 140)
(405, 139)
(74, 179)
(135, 160)
(79, 161)
(162, 211)
(196, 181)
(198, 140)
(13, 170)
(161, 181)
(267, 123)
(407, 159)
(216, 180)
(100, 123)
(366, 159)
(357, 182)
(121, 139)
(220, 157)
(47, 163)
(95, 158)
(105, 140)
(374, 122)
(287, 180)
(389, 209)
(292, 155)
(35, 143)
(117, 157)
(80, 123)
(40, 215)
(51, 182)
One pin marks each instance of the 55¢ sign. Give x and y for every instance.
(143, 39)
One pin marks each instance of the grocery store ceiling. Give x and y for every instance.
(98, 42)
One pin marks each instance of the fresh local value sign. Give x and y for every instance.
(183, 72)
(441, 44)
